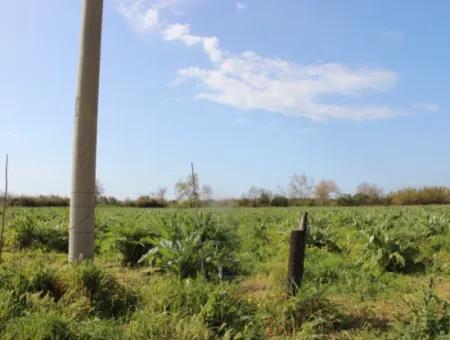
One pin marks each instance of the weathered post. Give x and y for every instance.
(297, 255)
(82, 202)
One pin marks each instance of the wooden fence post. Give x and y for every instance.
(297, 255)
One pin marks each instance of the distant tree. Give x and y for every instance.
(160, 194)
(279, 201)
(264, 199)
(253, 193)
(425, 195)
(206, 193)
(186, 191)
(324, 189)
(345, 200)
(373, 192)
(256, 197)
(300, 186)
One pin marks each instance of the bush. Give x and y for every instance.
(307, 305)
(322, 235)
(30, 233)
(45, 281)
(14, 287)
(39, 201)
(46, 325)
(25, 233)
(133, 243)
(394, 249)
(279, 201)
(203, 245)
(430, 318)
(99, 329)
(426, 195)
(225, 313)
(107, 296)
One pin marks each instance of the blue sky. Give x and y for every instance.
(251, 91)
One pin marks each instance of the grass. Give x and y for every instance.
(371, 273)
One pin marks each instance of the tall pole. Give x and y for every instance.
(82, 203)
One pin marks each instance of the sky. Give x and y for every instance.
(250, 91)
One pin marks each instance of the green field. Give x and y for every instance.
(381, 272)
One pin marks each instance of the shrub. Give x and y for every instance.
(39, 201)
(307, 305)
(45, 325)
(430, 318)
(25, 233)
(30, 233)
(15, 286)
(394, 249)
(203, 245)
(99, 329)
(135, 242)
(107, 296)
(279, 201)
(45, 281)
(426, 195)
(322, 235)
(225, 313)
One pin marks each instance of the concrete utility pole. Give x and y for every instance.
(82, 203)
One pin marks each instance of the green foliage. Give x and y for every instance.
(43, 297)
(309, 304)
(426, 195)
(147, 202)
(45, 282)
(279, 201)
(360, 199)
(429, 318)
(134, 241)
(107, 296)
(321, 235)
(39, 201)
(224, 313)
(99, 329)
(394, 249)
(203, 245)
(46, 326)
(30, 232)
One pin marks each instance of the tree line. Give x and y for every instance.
(300, 191)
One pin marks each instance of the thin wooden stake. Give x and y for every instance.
(197, 216)
(5, 201)
(194, 188)
(297, 255)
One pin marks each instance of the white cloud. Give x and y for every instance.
(142, 16)
(248, 81)
(181, 32)
(430, 107)
(240, 6)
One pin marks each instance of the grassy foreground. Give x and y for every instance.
(167, 274)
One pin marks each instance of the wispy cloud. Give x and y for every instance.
(145, 15)
(430, 107)
(240, 5)
(248, 81)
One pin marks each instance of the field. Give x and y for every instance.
(381, 272)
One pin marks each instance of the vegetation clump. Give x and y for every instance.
(107, 296)
(196, 245)
(165, 274)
